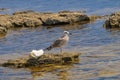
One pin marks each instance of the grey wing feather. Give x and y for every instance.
(58, 43)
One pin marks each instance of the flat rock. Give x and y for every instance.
(46, 59)
(33, 19)
(63, 18)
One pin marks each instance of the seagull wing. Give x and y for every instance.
(59, 42)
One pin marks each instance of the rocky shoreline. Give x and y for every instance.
(33, 19)
(30, 18)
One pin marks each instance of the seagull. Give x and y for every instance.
(60, 42)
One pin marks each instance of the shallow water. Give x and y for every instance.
(100, 47)
(90, 6)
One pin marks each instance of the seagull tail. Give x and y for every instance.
(48, 48)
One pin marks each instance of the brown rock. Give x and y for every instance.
(23, 12)
(46, 59)
(66, 17)
(5, 21)
(26, 19)
(4, 24)
(32, 19)
(74, 17)
(53, 19)
(113, 21)
(3, 30)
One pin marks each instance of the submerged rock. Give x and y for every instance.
(46, 59)
(113, 21)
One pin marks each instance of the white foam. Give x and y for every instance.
(36, 53)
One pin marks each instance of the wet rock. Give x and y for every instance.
(113, 21)
(23, 12)
(25, 19)
(46, 59)
(3, 30)
(74, 17)
(26, 22)
(66, 17)
(53, 19)
(5, 21)
(49, 18)
(34, 19)
(4, 24)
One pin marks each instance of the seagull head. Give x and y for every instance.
(66, 32)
